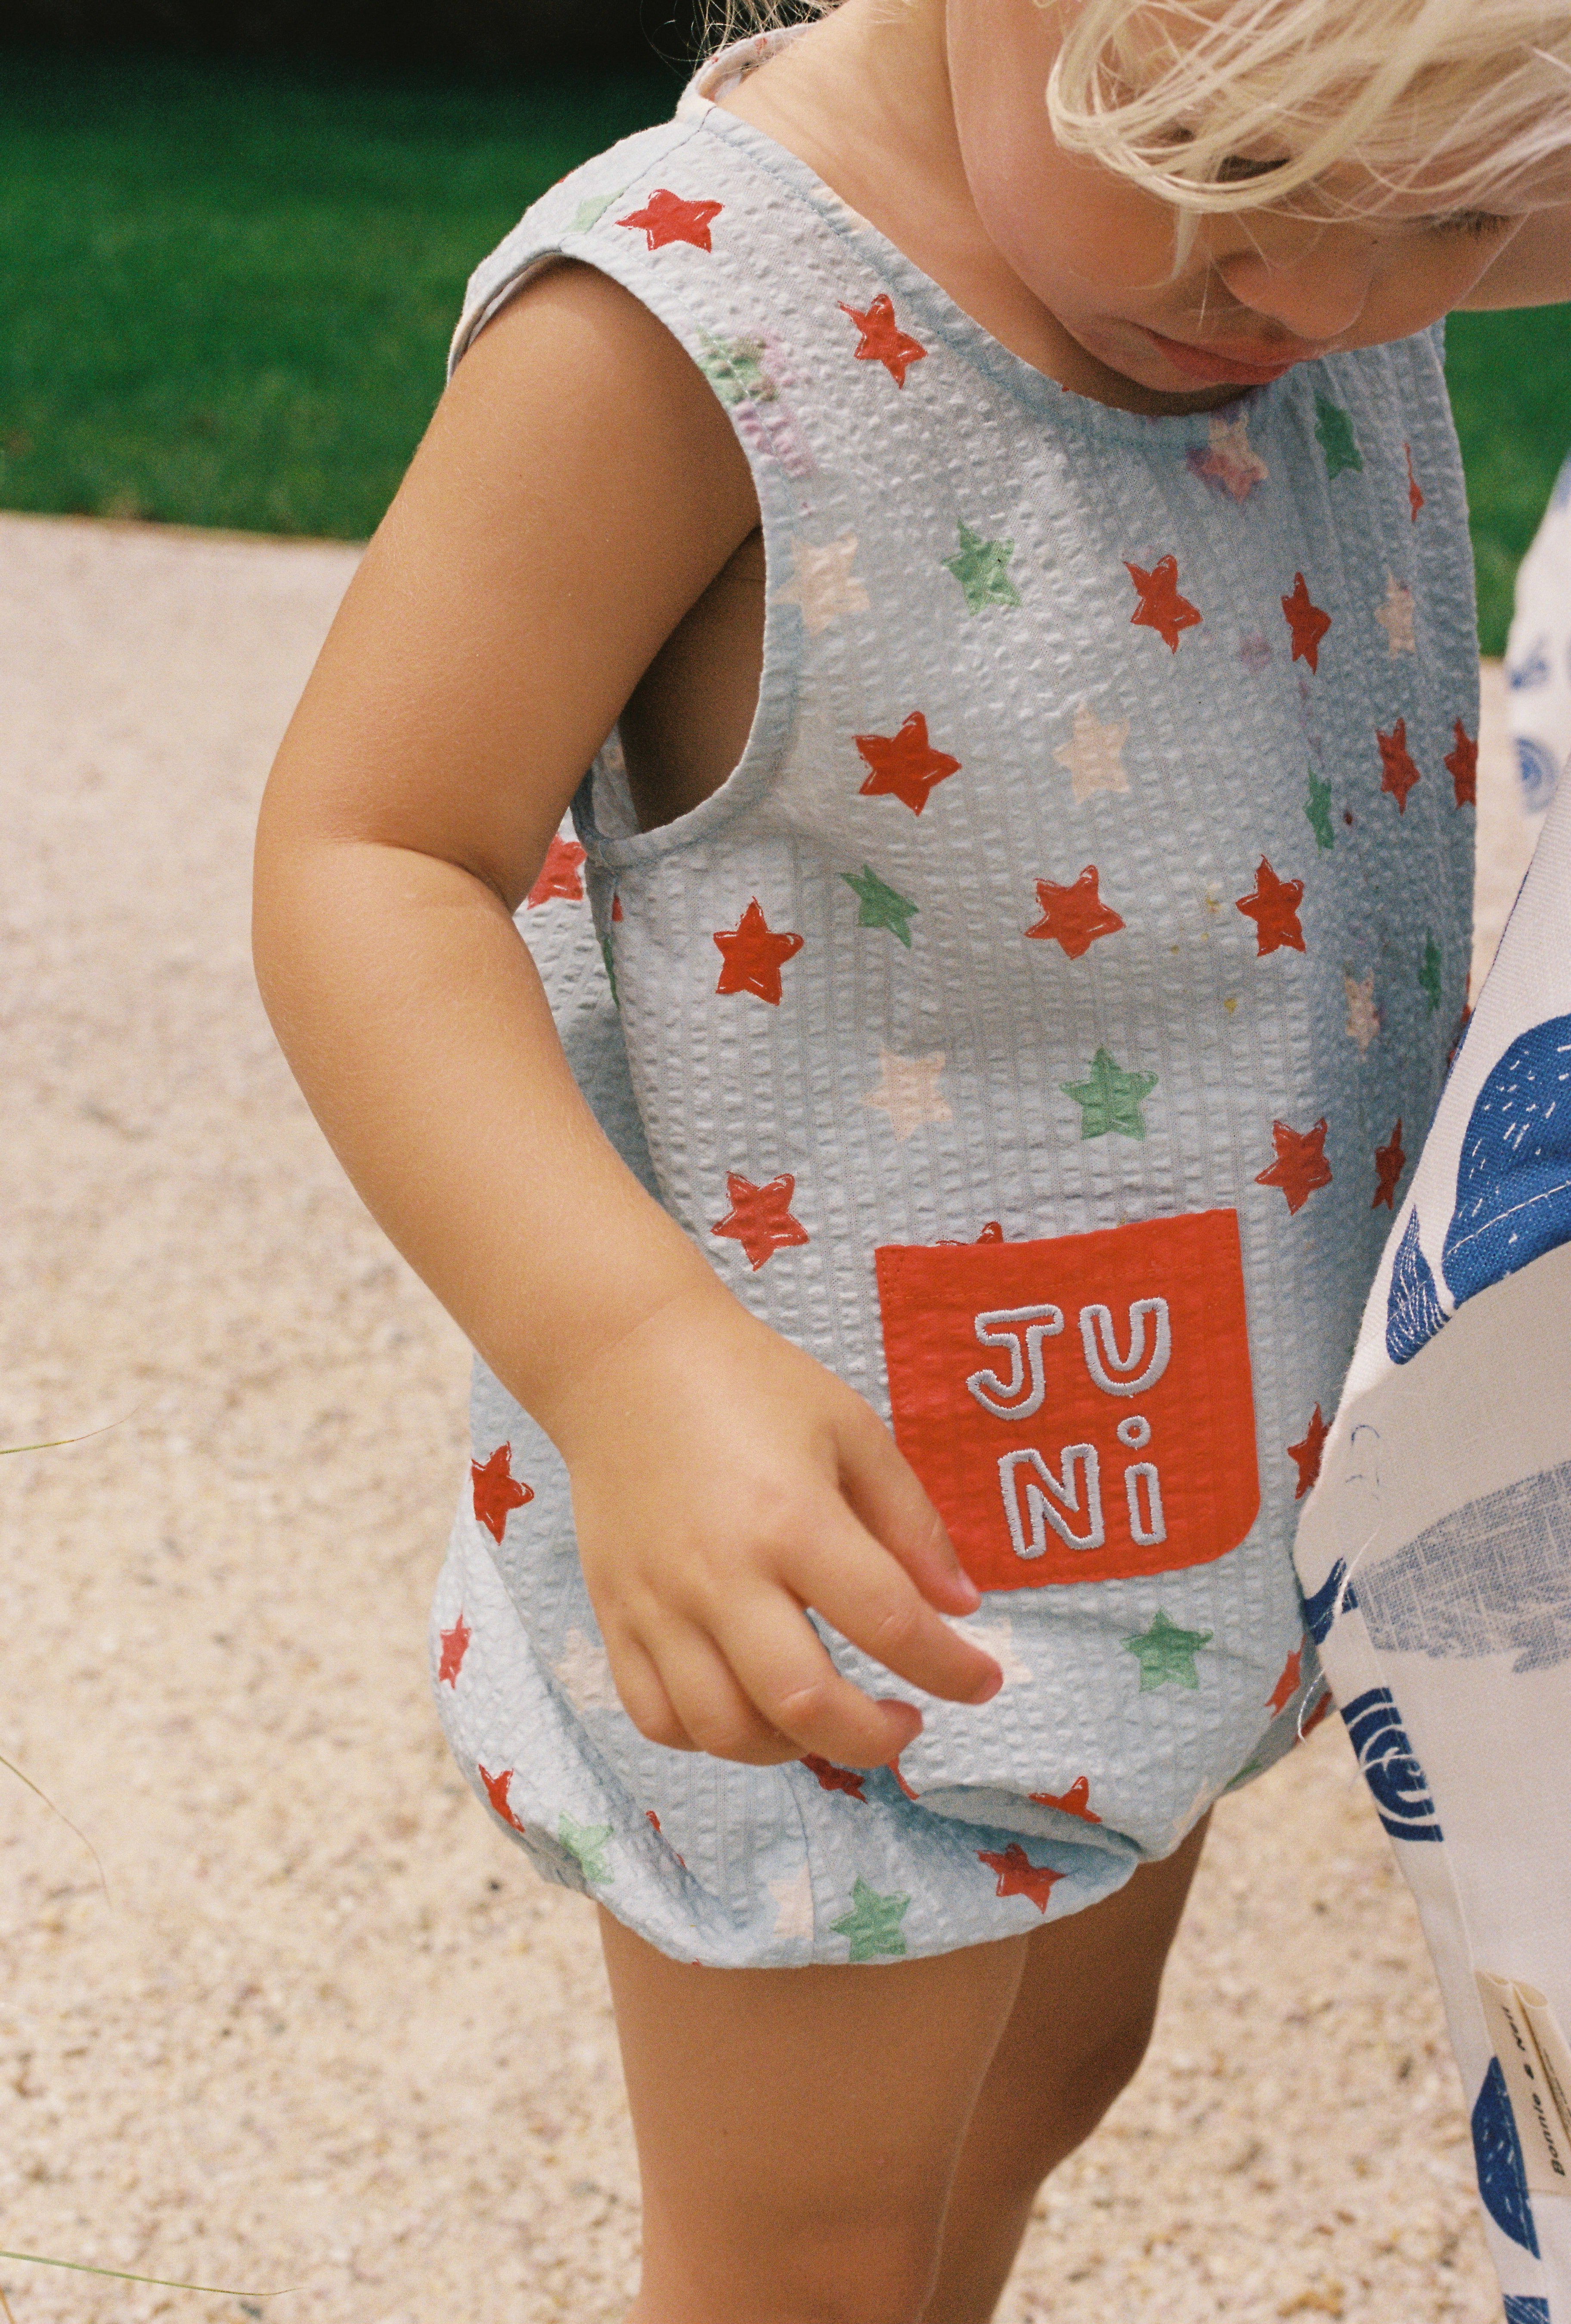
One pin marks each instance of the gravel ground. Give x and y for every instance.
(325, 2030)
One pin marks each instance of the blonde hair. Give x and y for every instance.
(1233, 105)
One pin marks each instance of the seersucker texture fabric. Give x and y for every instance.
(1036, 1026)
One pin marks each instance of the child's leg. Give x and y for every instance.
(1076, 2034)
(799, 2130)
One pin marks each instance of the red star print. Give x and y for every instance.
(882, 340)
(1308, 622)
(1300, 1163)
(753, 954)
(1390, 1162)
(1415, 497)
(905, 764)
(558, 873)
(1463, 1022)
(1074, 916)
(1160, 608)
(496, 1791)
(759, 1217)
(1287, 1685)
(665, 217)
(1307, 1452)
(1462, 765)
(838, 1779)
(1274, 907)
(1323, 1707)
(497, 1491)
(1398, 773)
(454, 1645)
(1075, 1801)
(1018, 1876)
(616, 904)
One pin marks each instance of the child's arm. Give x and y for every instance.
(578, 490)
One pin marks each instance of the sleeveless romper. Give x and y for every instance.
(1034, 1027)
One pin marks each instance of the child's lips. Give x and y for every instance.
(1220, 367)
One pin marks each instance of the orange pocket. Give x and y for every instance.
(1082, 1409)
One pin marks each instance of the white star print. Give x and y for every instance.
(1396, 616)
(1235, 463)
(998, 1639)
(823, 583)
(1094, 757)
(583, 1675)
(793, 1896)
(1363, 1016)
(908, 1091)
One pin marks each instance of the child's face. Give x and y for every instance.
(1258, 291)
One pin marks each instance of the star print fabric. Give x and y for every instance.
(1074, 882)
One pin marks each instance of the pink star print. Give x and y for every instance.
(1018, 1876)
(882, 340)
(1398, 773)
(455, 1647)
(1160, 608)
(1274, 906)
(1308, 1451)
(497, 1491)
(1300, 1163)
(1462, 765)
(665, 217)
(759, 1217)
(1390, 1162)
(1308, 623)
(558, 873)
(1074, 916)
(753, 953)
(905, 764)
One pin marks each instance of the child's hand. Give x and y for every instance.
(722, 1481)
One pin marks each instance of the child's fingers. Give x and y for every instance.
(781, 1665)
(856, 1585)
(643, 1694)
(887, 1495)
(713, 1705)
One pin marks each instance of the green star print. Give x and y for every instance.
(1337, 442)
(873, 1924)
(586, 1843)
(1111, 1099)
(981, 569)
(1317, 807)
(1166, 1653)
(1429, 972)
(883, 906)
(590, 212)
(735, 370)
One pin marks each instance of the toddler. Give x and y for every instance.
(976, 493)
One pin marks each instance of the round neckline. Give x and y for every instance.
(942, 315)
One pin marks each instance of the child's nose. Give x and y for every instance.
(1317, 296)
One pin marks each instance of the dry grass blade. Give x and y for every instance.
(123, 2276)
(12, 1768)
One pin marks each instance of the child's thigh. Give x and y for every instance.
(798, 2129)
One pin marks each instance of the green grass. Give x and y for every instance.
(225, 291)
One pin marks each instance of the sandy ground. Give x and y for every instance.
(325, 2030)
